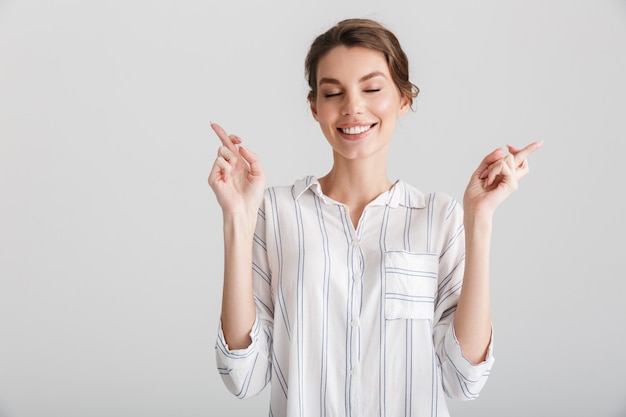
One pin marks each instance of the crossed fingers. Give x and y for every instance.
(227, 154)
(229, 141)
(521, 157)
(515, 164)
(232, 156)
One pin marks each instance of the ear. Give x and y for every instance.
(404, 104)
(313, 109)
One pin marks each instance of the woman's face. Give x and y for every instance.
(357, 103)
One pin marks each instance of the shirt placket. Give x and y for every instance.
(356, 294)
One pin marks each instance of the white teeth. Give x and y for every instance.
(355, 130)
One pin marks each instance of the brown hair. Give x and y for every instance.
(368, 34)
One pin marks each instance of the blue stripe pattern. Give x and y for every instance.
(355, 321)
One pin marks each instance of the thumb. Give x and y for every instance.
(252, 159)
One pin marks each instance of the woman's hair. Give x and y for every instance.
(364, 33)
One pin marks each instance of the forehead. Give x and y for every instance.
(346, 63)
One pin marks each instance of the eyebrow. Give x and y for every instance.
(363, 78)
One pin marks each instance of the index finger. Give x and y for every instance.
(522, 154)
(224, 138)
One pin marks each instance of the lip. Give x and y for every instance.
(356, 136)
(355, 124)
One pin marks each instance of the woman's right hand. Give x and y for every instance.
(236, 178)
(238, 182)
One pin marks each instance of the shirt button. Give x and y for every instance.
(354, 323)
(353, 371)
(355, 243)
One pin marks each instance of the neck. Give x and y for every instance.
(356, 182)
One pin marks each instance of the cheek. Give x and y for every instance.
(386, 105)
(325, 113)
(384, 108)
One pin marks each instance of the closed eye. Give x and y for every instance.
(373, 90)
(328, 95)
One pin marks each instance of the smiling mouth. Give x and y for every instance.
(355, 130)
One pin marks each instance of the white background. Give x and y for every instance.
(110, 238)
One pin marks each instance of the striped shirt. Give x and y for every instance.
(355, 322)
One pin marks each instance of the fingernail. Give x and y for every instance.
(540, 144)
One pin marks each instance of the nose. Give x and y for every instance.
(352, 104)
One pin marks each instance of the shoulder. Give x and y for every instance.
(291, 192)
(416, 198)
(440, 210)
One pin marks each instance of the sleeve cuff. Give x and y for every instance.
(469, 371)
(236, 358)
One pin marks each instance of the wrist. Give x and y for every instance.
(478, 219)
(239, 222)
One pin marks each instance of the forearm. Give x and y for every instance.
(238, 308)
(472, 321)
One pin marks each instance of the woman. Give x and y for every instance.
(344, 291)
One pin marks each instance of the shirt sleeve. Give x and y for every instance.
(464, 379)
(245, 372)
(461, 379)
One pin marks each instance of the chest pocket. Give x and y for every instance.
(410, 285)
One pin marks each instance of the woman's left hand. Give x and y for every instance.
(496, 178)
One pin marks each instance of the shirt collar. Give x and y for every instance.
(400, 194)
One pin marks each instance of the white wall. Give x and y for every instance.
(110, 238)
